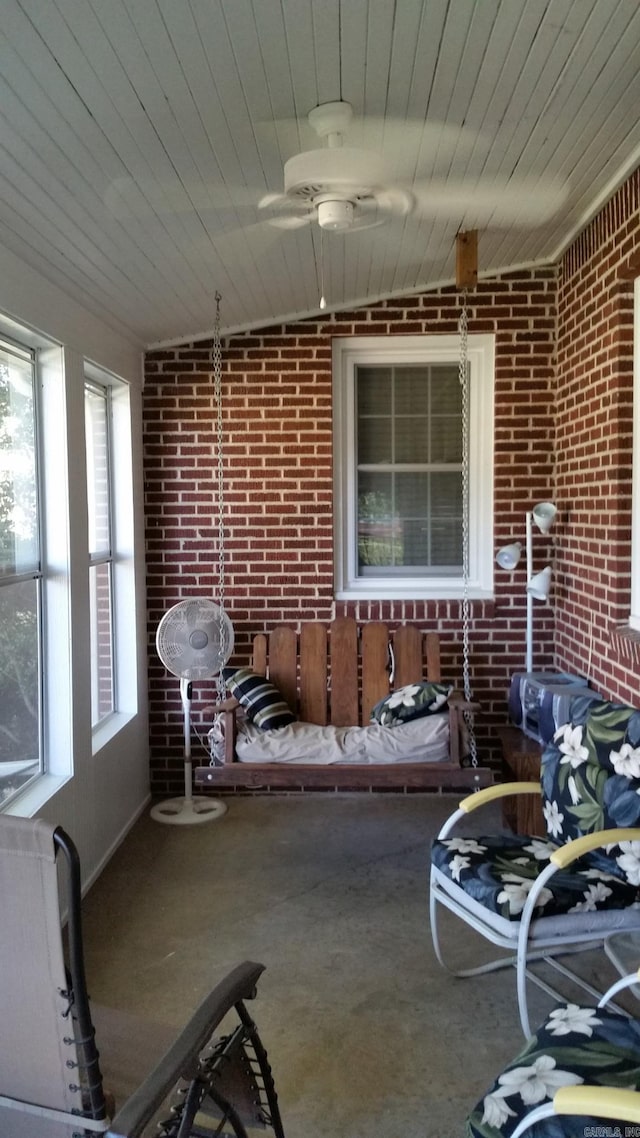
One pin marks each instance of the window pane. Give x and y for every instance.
(374, 396)
(378, 532)
(102, 702)
(373, 390)
(20, 752)
(18, 486)
(411, 391)
(412, 435)
(97, 436)
(446, 414)
(446, 516)
(375, 441)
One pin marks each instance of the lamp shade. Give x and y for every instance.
(509, 556)
(544, 515)
(539, 585)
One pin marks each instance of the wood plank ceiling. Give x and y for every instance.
(138, 137)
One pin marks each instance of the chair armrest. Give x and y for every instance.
(182, 1056)
(571, 851)
(501, 790)
(481, 797)
(599, 1102)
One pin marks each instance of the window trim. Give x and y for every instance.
(348, 352)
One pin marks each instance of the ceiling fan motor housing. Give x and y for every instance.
(345, 172)
(335, 214)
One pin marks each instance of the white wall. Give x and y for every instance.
(107, 790)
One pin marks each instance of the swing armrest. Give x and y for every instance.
(458, 705)
(228, 710)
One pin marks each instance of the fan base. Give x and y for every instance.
(188, 811)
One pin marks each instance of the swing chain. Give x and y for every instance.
(217, 388)
(463, 374)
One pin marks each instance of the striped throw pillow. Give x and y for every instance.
(259, 697)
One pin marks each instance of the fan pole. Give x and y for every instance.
(187, 810)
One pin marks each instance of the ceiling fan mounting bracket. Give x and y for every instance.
(330, 120)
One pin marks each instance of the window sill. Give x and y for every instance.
(34, 797)
(105, 732)
(378, 592)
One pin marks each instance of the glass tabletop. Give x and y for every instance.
(623, 950)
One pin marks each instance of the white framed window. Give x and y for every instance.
(398, 477)
(108, 448)
(97, 418)
(634, 617)
(21, 576)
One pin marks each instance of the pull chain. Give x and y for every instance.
(323, 303)
(463, 374)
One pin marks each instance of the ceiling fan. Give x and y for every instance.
(344, 188)
(401, 170)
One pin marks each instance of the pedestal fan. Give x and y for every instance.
(194, 640)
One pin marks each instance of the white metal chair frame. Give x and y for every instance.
(545, 947)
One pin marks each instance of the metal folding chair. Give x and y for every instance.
(213, 1079)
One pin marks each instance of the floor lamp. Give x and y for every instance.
(538, 585)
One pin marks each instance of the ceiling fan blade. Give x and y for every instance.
(290, 221)
(524, 202)
(247, 243)
(129, 197)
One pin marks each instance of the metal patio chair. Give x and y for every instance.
(544, 898)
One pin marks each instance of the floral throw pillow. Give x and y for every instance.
(410, 702)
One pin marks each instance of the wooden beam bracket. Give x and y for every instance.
(467, 259)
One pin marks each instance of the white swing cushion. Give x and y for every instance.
(424, 740)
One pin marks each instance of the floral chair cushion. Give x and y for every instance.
(498, 872)
(591, 781)
(576, 1045)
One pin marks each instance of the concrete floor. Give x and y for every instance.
(368, 1037)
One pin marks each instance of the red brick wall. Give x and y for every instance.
(278, 485)
(594, 409)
